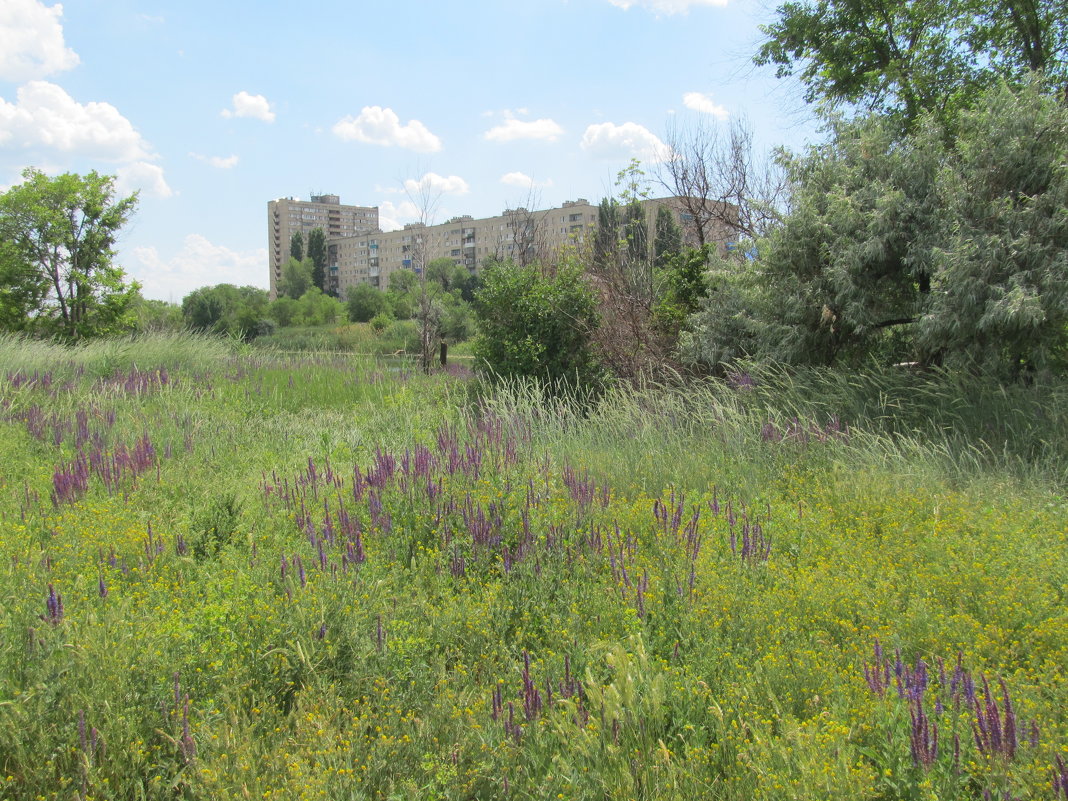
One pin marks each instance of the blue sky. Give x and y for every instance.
(213, 109)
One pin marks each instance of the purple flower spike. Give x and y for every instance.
(53, 607)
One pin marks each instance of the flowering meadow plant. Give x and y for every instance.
(238, 574)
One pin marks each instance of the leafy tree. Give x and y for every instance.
(364, 302)
(667, 236)
(226, 309)
(906, 57)
(23, 289)
(441, 272)
(158, 315)
(403, 281)
(683, 286)
(942, 250)
(317, 254)
(537, 325)
(315, 307)
(283, 311)
(296, 278)
(57, 238)
(296, 246)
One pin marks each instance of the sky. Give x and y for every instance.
(210, 110)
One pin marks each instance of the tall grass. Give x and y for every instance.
(331, 578)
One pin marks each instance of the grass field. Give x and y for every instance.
(234, 573)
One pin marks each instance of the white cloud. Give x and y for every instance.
(31, 41)
(607, 140)
(198, 263)
(523, 181)
(667, 6)
(512, 129)
(703, 103)
(221, 162)
(434, 183)
(148, 178)
(246, 105)
(45, 115)
(381, 126)
(392, 216)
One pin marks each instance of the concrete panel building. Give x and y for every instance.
(287, 216)
(358, 252)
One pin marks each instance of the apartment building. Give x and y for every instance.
(287, 216)
(360, 253)
(518, 234)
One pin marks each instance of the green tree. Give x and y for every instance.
(364, 302)
(906, 57)
(403, 281)
(57, 238)
(158, 315)
(317, 254)
(315, 307)
(941, 250)
(537, 325)
(283, 311)
(226, 309)
(296, 246)
(442, 272)
(296, 278)
(23, 289)
(667, 236)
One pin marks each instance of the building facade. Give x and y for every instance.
(286, 216)
(360, 253)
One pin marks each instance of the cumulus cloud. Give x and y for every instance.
(247, 105)
(434, 183)
(31, 41)
(220, 162)
(703, 103)
(144, 177)
(666, 6)
(43, 114)
(392, 216)
(381, 126)
(198, 263)
(512, 129)
(523, 181)
(607, 140)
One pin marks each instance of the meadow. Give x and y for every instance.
(232, 573)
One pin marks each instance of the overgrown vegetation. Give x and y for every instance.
(233, 574)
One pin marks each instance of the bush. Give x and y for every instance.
(536, 325)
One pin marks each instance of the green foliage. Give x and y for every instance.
(683, 285)
(226, 309)
(315, 307)
(537, 325)
(913, 248)
(380, 322)
(158, 316)
(214, 525)
(667, 240)
(57, 238)
(317, 255)
(283, 310)
(227, 633)
(364, 302)
(296, 278)
(907, 58)
(402, 281)
(296, 247)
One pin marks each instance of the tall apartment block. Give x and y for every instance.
(360, 253)
(287, 216)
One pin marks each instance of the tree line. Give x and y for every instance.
(928, 227)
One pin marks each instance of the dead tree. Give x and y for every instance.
(721, 187)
